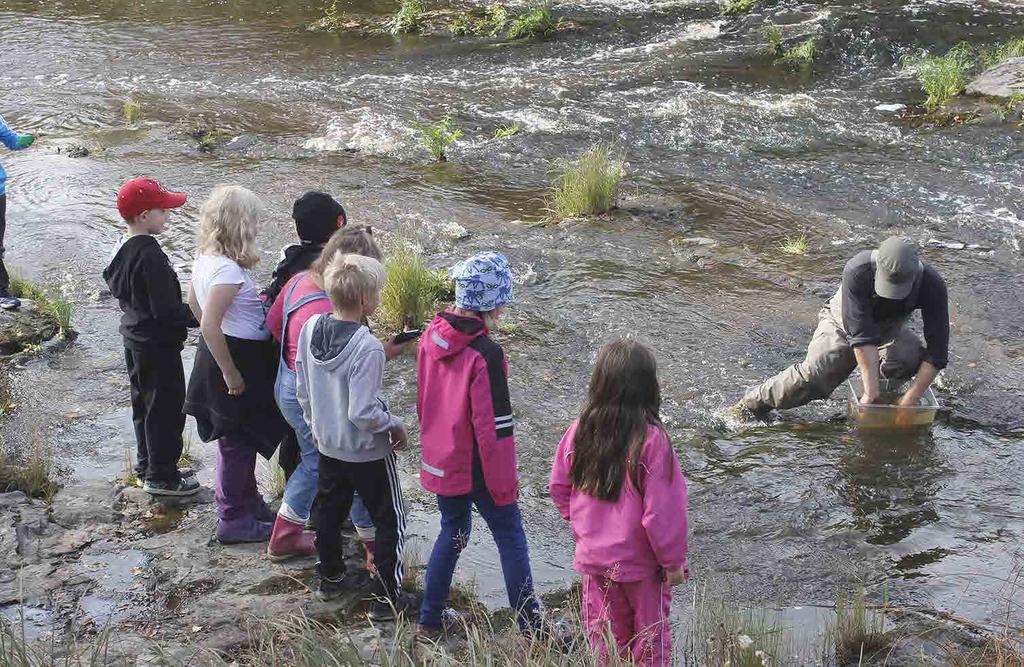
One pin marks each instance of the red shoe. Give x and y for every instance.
(369, 546)
(289, 540)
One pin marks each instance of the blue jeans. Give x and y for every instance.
(507, 528)
(302, 485)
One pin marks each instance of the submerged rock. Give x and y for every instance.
(1003, 80)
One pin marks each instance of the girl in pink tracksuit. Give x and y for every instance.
(469, 452)
(617, 480)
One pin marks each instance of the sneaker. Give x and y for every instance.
(452, 622)
(332, 588)
(388, 609)
(183, 487)
(9, 302)
(184, 473)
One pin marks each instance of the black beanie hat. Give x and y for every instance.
(316, 217)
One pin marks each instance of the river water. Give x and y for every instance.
(726, 156)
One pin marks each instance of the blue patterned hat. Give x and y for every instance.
(483, 282)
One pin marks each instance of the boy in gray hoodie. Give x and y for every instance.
(339, 368)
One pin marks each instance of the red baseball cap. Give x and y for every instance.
(144, 194)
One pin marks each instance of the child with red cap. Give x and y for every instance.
(154, 326)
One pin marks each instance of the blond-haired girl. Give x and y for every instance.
(231, 390)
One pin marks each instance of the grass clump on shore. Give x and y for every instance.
(738, 7)
(588, 185)
(537, 22)
(1012, 48)
(794, 245)
(411, 292)
(132, 111)
(942, 77)
(50, 301)
(802, 55)
(858, 634)
(507, 131)
(33, 476)
(407, 19)
(438, 137)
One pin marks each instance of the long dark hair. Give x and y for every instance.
(622, 401)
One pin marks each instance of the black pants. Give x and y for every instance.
(378, 485)
(158, 393)
(5, 280)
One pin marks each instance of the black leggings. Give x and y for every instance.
(5, 280)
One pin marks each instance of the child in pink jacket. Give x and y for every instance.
(469, 452)
(617, 480)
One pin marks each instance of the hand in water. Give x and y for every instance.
(25, 140)
(868, 399)
(905, 417)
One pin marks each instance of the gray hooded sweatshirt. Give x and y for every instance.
(339, 369)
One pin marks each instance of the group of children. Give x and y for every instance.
(615, 478)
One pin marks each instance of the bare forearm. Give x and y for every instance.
(926, 374)
(218, 345)
(868, 362)
(193, 303)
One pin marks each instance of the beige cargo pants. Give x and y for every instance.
(830, 360)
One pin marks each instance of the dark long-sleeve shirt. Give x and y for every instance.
(142, 279)
(864, 311)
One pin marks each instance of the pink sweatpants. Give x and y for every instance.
(637, 613)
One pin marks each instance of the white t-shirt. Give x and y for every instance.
(244, 317)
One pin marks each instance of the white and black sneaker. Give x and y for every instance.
(185, 486)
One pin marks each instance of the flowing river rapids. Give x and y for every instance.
(726, 156)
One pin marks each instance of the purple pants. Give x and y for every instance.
(236, 493)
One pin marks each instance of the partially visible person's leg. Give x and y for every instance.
(235, 488)
(365, 530)
(378, 485)
(164, 391)
(506, 526)
(301, 488)
(335, 490)
(829, 361)
(456, 526)
(5, 279)
(607, 618)
(651, 604)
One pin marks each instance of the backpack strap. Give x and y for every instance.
(289, 308)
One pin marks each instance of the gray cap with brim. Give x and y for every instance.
(897, 267)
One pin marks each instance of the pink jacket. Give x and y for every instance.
(465, 412)
(642, 532)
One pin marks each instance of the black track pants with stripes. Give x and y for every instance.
(378, 485)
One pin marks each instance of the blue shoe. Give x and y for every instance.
(10, 303)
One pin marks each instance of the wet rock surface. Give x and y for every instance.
(25, 327)
(1004, 80)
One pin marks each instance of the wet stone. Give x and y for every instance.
(24, 327)
(12, 499)
(1003, 80)
(85, 503)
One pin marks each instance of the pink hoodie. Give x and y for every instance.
(465, 412)
(642, 532)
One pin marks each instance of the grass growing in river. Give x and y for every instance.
(507, 131)
(773, 34)
(738, 7)
(48, 300)
(1012, 48)
(858, 634)
(407, 19)
(587, 185)
(411, 292)
(942, 77)
(802, 55)
(537, 22)
(794, 245)
(132, 111)
(438, 137)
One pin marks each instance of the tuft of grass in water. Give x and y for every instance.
(537, 22)
(48, 300)
(773, 34)
(738, 7)
(407, 19)
(438, 137)
(132, 111)
(185, 460)
(331, 20)
(411, 292)
(588, 185)
(1012, 48)
(721, 635)
(33, 476)
(794, 245)
(128, 476)
(802, 55)
(858, 633)
(942, 77)
(507, 131)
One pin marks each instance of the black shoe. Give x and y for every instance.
(388, 609)
(332, 588)
(183, 487)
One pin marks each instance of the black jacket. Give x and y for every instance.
(143, 280)
(294, 259)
